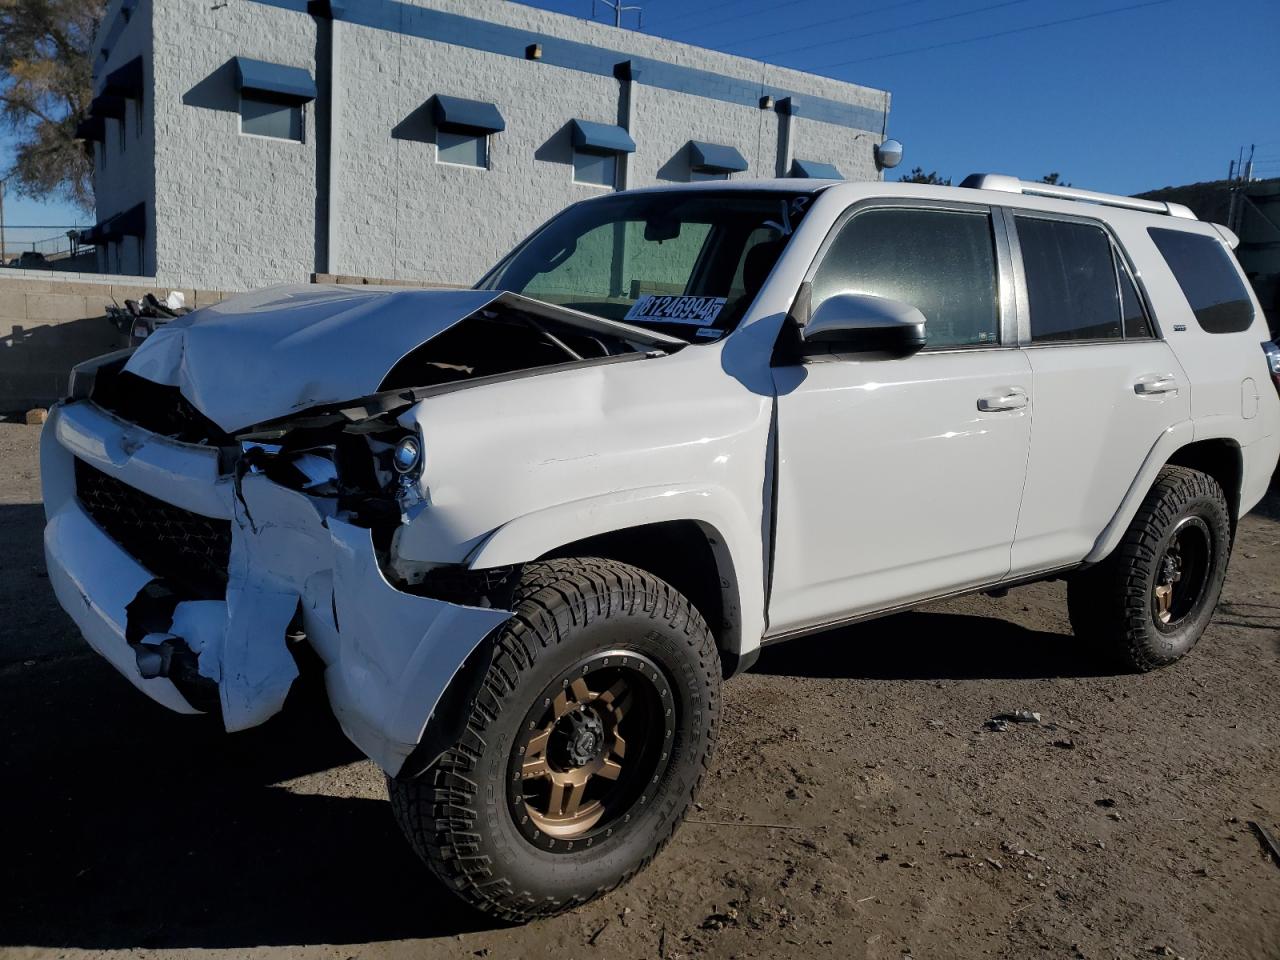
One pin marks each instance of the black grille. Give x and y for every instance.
(184, 548)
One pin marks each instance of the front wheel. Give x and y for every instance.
(1150, 601)
(582, 750)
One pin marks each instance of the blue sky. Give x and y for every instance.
(1124, 102)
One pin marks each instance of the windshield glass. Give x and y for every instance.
(683, 263)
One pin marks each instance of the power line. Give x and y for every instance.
(904, 26)
(719, 6)
(998, 33)
(823, 23)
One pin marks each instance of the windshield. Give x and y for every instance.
(683, 263)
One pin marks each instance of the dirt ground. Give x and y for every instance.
(857, 808)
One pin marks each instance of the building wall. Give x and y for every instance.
(124, 167)
(235, 211)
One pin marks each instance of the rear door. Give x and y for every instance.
(1106, 386)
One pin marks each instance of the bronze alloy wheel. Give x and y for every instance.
(593, 747)
(1182, 573)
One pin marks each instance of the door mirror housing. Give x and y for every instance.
(861, 323)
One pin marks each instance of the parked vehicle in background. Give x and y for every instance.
(30, 260)
(528, 528)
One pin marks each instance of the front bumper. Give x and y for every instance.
(389, 656)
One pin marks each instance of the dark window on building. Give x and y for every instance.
(122, 127)
(1137, 326)
(1071, 281)
(264, 117)
(462, 148)
(1208, 278)
(941, 262)
(596, 169)
(697, 176)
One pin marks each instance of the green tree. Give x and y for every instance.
(1054, 178)
(917, 175)
(46, 84)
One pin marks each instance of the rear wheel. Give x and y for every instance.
(1149, 602)
(582, 750)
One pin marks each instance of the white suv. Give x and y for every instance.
(528, 527)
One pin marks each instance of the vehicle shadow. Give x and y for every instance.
(127, 826)
(928, 645)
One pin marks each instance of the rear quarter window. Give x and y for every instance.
(1209, 279)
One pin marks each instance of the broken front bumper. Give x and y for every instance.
(389, 656)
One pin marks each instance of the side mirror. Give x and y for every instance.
(861, 323)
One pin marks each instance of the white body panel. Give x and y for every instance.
(1091, 432)
(892, 484)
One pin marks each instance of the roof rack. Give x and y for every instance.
(1007, 184)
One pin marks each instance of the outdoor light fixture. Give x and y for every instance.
(766, 102)
(888, 155)
(533, 51)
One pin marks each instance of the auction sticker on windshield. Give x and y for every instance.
(696, 311)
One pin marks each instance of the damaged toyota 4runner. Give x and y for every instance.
(529, 527)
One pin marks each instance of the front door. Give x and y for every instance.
(900, 479)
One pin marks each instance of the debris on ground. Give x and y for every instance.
(37, 416)
(1267, 840)
(718, 921)
(1000, 722)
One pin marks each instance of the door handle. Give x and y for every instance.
(1155, 384)
(1012, 398)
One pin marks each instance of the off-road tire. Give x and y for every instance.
(1110, 604)
(456, 815)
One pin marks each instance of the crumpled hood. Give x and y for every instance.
(277, 351)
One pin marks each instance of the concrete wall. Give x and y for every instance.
(49, 323)
(124, 172)
(234, 211)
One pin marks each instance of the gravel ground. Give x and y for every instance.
(857, 806)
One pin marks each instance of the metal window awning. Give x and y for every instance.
(107, 105)
(126, 81)
(130, 223)
(290, 84)
(814, 170)
(457, 113)
(715, 158)
(601, 137)
(91, 129)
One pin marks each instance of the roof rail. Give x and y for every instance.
(1007, 184)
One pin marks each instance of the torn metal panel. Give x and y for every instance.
(398, 652)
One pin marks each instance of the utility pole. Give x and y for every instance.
(619, 8)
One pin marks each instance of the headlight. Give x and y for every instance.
(407, 457)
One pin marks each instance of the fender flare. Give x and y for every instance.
(729, 530)
(1167, 444)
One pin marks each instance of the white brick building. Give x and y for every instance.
(253, 141)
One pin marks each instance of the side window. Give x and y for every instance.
(941, 262)
(1071, 280)
(1208, 278)
(1134, 317)
(265, 117)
